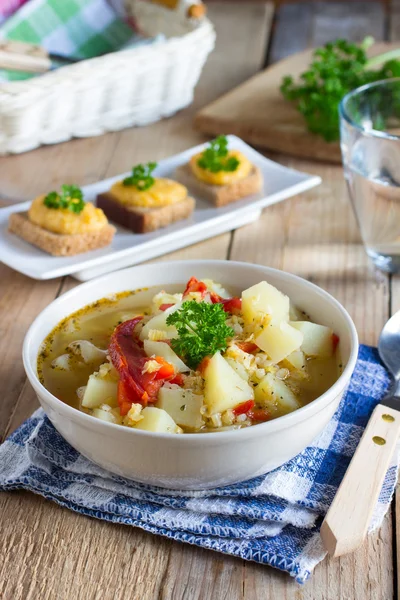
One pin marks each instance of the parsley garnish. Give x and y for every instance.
(71, 197)
(336, 69)
(141, 176)
(215, 157)
(202, 331)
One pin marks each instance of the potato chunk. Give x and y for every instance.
(297, 360)
(165, 351)
(238, 367)
(182, 405)
(279, 340)
(317, 339)
(156, 420)
(264, 299)
(88, 351)
(99, 391)
(224, 388)
(274, 395)
(106, 415)
(159, 322)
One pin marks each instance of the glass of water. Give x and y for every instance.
(370, 143)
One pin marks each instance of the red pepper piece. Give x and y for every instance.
(259, 414)
(123, 398)
(204, 364)
(194, 285)
(248, 347)
(335, 341)
(230, 305)
(166, 370)
(243, 408)
(129, 359)
(178, 379)
(165, 306)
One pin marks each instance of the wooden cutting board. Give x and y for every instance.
(256, 112)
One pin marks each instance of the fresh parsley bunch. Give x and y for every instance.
(215, 157)
(337, 68)
(141, 176)
(202, 331)
(70, 197)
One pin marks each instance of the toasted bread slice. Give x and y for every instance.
(144, 220)
(220, 195)
(55, 243)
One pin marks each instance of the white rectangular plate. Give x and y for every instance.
(129, 248)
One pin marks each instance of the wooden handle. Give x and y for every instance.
(20, 56)
(346, 523)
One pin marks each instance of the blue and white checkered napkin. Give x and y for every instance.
(273, 519)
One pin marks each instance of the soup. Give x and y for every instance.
(200, 360)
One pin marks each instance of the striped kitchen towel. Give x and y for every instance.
(77, 29)
(273, 519)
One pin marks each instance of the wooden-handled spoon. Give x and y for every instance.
(346, 523)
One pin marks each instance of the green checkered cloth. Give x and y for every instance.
(73, 28)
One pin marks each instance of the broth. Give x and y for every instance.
(96, 323)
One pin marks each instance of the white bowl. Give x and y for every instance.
(195, 461)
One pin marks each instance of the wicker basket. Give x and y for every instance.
(118, 90)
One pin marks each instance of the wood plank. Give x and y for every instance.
(316, 236)
(62, 555)
(257, 112)
(114, 153)
(130, 563)
(20, 301)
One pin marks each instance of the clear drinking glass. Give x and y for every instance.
(370, 143)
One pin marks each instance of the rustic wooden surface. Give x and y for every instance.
(255, 112)
(50, 553)
(271, 123)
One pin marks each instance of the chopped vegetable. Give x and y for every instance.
(166, 370)
(259, 414)
(223, 387)
(178, 379)
(141, 176)
(318, 340)
(183, 406)
(202, 331)
(156, 420)
(336, 69)
(243, 408)
(164, 307)
(247, 346)
(71, 197)
(128, 357)
(164, 350)
(232, 305)
(124, 398)
(216, 157)
(264, 300)
(194, 286)
(194, 362)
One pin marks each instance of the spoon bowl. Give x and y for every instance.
(389, 347)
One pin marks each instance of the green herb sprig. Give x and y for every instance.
(70, 197)
(336, 69)
(215, 157)
(202, 331)
(141, 176)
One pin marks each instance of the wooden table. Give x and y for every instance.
(47, 552)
